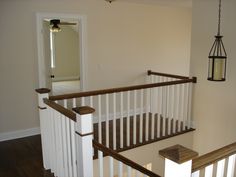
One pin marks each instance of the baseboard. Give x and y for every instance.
(19, 134)
(68, 78)
(118, 114)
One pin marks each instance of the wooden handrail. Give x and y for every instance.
(121, 89)
(71, 115)
(123, 159)
(149, 72)
(213, 157)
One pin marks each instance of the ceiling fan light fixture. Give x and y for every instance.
(55, 28)
(110, 1)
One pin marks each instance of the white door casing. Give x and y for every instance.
(43, 74)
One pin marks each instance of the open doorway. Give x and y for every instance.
(64, 56)
(61, 53)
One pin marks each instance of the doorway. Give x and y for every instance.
(61, 55)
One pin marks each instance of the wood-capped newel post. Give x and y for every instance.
(84, 137)
(43, 93)
(178, 161)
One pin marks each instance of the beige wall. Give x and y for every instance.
(124, 40)
(66, 54)
(214, 102)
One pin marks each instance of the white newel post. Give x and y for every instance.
(84, 136)
(178, 161)
(43, 93)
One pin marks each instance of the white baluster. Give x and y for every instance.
(147, 114)
(56, 168)
(73, 149)
(91, 101)
(120, 169)
(107, 120)
(134, 117)
(220, 168)
(172, 117)
(209, 171)
(169, 97)
(164, 105)
(60, 146)
(121, 121)
(141, 117)
(74, 102)
(137, 173)
(111, 167)
(82, 101)
(128, 171)
(114, 121)
(64, 143)
(100, 163)
(231, 166)
(52, 147)
(160, 110)
(185, 109)
(55, 150)
(68, 130)
(177, 107)
(196, 174)
(128, 118)
(99, 120)
(153, 107)
(74, 142)
(190, 105)
(182, 106)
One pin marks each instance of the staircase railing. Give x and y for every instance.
(125, 117)
(135, 115)
(218, 163)
(183, 162)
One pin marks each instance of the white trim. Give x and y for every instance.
(118, 114)
(83, 45)
(69, 78)
(19, 134)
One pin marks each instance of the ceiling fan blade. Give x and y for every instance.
(67, 23)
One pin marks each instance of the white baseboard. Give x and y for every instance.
(118, 114)
(68, 78)
(19, 134)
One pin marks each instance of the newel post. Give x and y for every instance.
(43, 93)
(178, 161)
(84, 136)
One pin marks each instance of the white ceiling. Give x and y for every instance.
(179, 3)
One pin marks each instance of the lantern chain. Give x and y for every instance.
(219, 18)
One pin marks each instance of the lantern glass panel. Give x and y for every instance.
(216, 69)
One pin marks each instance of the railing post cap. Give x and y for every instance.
(83, 110)
(149, 72)
(194, 79)
(178, 153)
(42, 90)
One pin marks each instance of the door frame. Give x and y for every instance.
(82, 45)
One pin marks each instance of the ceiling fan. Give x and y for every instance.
(56, 22)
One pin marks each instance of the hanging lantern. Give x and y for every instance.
(217, 56)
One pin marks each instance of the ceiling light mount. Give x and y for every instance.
(110, 1)
(55, 27)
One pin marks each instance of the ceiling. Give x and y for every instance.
(179, 3)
